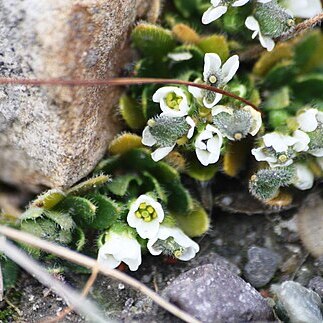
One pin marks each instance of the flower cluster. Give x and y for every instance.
(281, 150)
(269, 19)
(196, 118)
(161, 236)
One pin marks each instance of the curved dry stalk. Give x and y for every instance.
(77, 301)
(255, 51)
(120, 81)
(91, 263)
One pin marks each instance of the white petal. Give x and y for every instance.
(256, 120)
(148, 230)
(221, 108)
(266, 42)
(215, 3)
(213, 13)
(150, 246)
(305, 178)
(107, 259)
(261, 156)
(230, 68)
(317, 152)
(275, 165)
(178, 57)
(264, 1)
(307, 120)
(191, 123)
(160, 153)
(196, 92)
(303, 8)
(239, 3)
(278, 141)
(302, 141)
(147, 138)
(162, 92)
(252, 24)
(212, 62)
(210, 105)
(203, 156)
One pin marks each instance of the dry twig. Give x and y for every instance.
(88, 262)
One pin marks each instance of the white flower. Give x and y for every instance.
(220, 7)
(145, 215)
(191, 123)
(208, 145)
(266, 42)
(173, 101)
(173, 241)
(304, 177)
(309, 120)
(149, 140)
(239, 124)
(215, 75)
(303, 8)
(120, 247)
(278, 149)
(302, 141)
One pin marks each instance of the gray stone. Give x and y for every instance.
(299, 304)
(212, 293)
(316, 284)
(261, 266)
(55, 135)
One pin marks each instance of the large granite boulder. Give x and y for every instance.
(54, 136)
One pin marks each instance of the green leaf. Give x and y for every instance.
(120, 184)
(10, 273)
(199, 172)
(215, 44)
(81, 209)
(195, 223)
(149, 108)
(278, 99)
(79, 238)
(131, 112)
(309, 87)
(49, 199)
(107, 165)
(32, 213)
(179, 199)
(64, 220)
(152, 184)
(152, 40)
(107, 211)
(281, 74)
(88, 185)
(187, 8)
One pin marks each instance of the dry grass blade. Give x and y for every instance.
(88, 262)
(81, 305)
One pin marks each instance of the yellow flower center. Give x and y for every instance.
(146, 212)
(173, 100)
(238, 136)
(283, 158)
(213, 79)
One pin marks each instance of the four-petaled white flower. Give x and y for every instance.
(173, 101)
(278, 149)
(173, 241)
(311, 124)
(220, 7)
(304, 177)
(265, 41)
(244, 120)
(149, 140)
(303, 8)
(120, 247)
(215, 75)
(208, 145)
(145, 215)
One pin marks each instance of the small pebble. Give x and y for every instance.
(299, 304)
(316, 284)
(261, 266)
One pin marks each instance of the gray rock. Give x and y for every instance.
(217, 260)
(212, 293)
(316, 284)
(299, 304)
(54, 136)
(261, 266)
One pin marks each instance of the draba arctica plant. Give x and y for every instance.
(267, 132)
